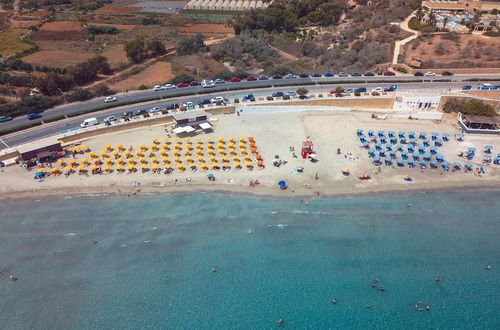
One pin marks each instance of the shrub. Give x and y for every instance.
(470, 107)
(142, 87)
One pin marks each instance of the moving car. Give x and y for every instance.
(389, 73)
(360, 90)
(128, 114)
(263, 77)
(33, 115)
(154, 109)
(248, 97)
(429, 74)
(291, 93)
(218, 99)
(182, 85)
(5, 118)
(109, 99)
(343, 74)
(277, 94)
(316, 75)
(356, 74)
(194, 83)
(466, 88)
(418, 74)
(234, 79)
(207, 83)
(251, 78)
(172, 106)
(89, 122)
(290, 76)
(447, 73)
(328, 74)
(220, 81)
(369, 74)
(391, 88)
(303, 97)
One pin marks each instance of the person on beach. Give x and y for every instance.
(316, 176)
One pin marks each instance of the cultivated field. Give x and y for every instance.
(57, 59)
(158, 73)
(207, 29)
(116, 55)
(60, 30)
(464, 52)
(10, 42)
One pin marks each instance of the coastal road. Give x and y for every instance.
(74, 122)
(138, 95)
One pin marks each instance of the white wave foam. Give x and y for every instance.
(279, 225)
(70, 234)
(148, 241)
(273, 212)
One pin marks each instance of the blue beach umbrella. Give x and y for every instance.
(427, 156)
(388, 161)
(468, 166)
(400, 162)
(438, 142)
(381, 133)
(457, 165)
(444, 166)
(411, 149)
(376, 161)
(383, 140)
(433, 150)
(362, 139)
(434, 135)
(371, 152)
(381, 153)
(404, 155)
(399, 147)
(421, 149)
(378, 146)
(422, 163)
(402, 140)
(390, 133)
(393, 140)
(488, 148)
(359, 132)
(392, 152)
(422, 135)
(371, 133)
(459, 136)
(426, 142)
(388, 146)
(446, 137)
(365, 144)
(402, 134)
(433, 164)
(439, 157)
(471, 149)
(497, 160)
(411, 135)
(416, 155)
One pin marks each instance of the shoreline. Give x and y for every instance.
(259, 191)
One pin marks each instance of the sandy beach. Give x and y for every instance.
(275, 134)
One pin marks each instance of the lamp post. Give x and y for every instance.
(63, 94)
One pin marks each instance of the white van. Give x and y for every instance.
(207, 83)
(89, 122)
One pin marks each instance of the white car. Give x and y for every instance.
(429, 74)
(154, 109)
(207, 83)
(378, 89)
(217, 99)
(110, 118)
(169, 86)
(291, 93)
(158, 88)
(110, 99)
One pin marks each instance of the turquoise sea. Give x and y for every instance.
(151, 266)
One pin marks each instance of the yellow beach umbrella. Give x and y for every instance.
(67, 168)
(131, 161)
(165, 139)
(236, 159)
(106, 167)
(199, 146)
(54, 170)
(80, 168)
(198, 139)
(187, 139)
(243, 151)
(154, 140)
(177, 139)
(85, 161)
(242, 139)
(130, 166)
(167, 166)
(163, 153)
(120, 161)
(177, 146)
(236, 163)
(153, 146)
(40, 170)
(119, 147)
(154, 166)
(164, 160)
(248, 164)
(144, 166)
(116, 153)
(231, 139)
(119, 167)
(232, 151)
(138, 153)
(164, 146)
(201, 160)
(142, 146)
(60, 161)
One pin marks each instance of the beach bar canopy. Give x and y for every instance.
(39, 149)
(481, 122)
(190, 118)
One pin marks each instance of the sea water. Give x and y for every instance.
(151, 267)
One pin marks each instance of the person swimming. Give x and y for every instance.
(280, 322)
(438, 278)
(382, 289)
(92, 239)
(213, 269)
(488, 267)
(334, 301)
(428, 307)
(12, 278)
(250, 231)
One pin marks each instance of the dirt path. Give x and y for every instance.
(399, 43)
(283, 54)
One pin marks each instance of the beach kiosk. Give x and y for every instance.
(43, 150)
(190, 121)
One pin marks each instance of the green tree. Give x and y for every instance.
(156, 48)
(302, 91)
(135, 50)
(185, 78)
(339, 89)
(224, 74)
(191, 45)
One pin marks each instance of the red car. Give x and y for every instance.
(333, 91)
(389, 73)
(181, 84)
(234, 79)
(251, 78)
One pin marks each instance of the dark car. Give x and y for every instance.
(172, 106)
(328, 74)
(303, 75)
(194, 83)
(33, 115)
(234, 79)
(204, 101)
(140, 112)
(127, 114)
(303, 97)
(181, 85)
(278, 94)
(263, 77)
(277, 76)
(316, 75)
(447, 73)
(360, 90)
(466, 88)
(356, 74)
(418, 74)
(5, 118)
(251, 78)
(369, 74)
(389, 73)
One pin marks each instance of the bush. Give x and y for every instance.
(375, 93)
(94, 30)
(142, 87)
(185, 78)
(55, 118)
(191, 45)
(79, 94)
(470, 107)
(302, 91)
(357, 94)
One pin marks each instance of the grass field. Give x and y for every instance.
(10, 42)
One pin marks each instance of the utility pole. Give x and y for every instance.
(64, 95)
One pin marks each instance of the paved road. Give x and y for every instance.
(55, 127)
(137, 95)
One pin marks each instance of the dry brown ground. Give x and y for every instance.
(206, 29)
(61, 26)
(190, 64)
(126, 27)
(116, 10)
(60, 30)
(115, 54)
(156, 74)
(22, 24)
(487, 94)
(470, 51)
(58, 59)
(379, 103)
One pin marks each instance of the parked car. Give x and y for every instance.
(377, 89)
(33, 115)
(356, 74)
(158, 88)
(360, 90)
(128, 114)
(140, 112)
(182, 85)
(109, 99)
(316, 75)
(234, 79)
(109, 119)
(207, 83)
(485, 87)
(154, 109)
(418, 74)
(204, 101)
(5, 118)
(277, 94)
(303, 97)
(218, 99)
(348, 90)
(466, 88)
(447, 73)
(343, 74)
(389, 73)
(290, 76)
(333, 91)
(291, 93)
(89, 122)
(251, 78)
(277, 76)
(329, 74)
(172, 106)
(194, 83)
(391, 88)
(248, 97)
(169, 86)
(429, 74)
(369, 74)
(219, 81)
(263, 77)
(304, 75)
